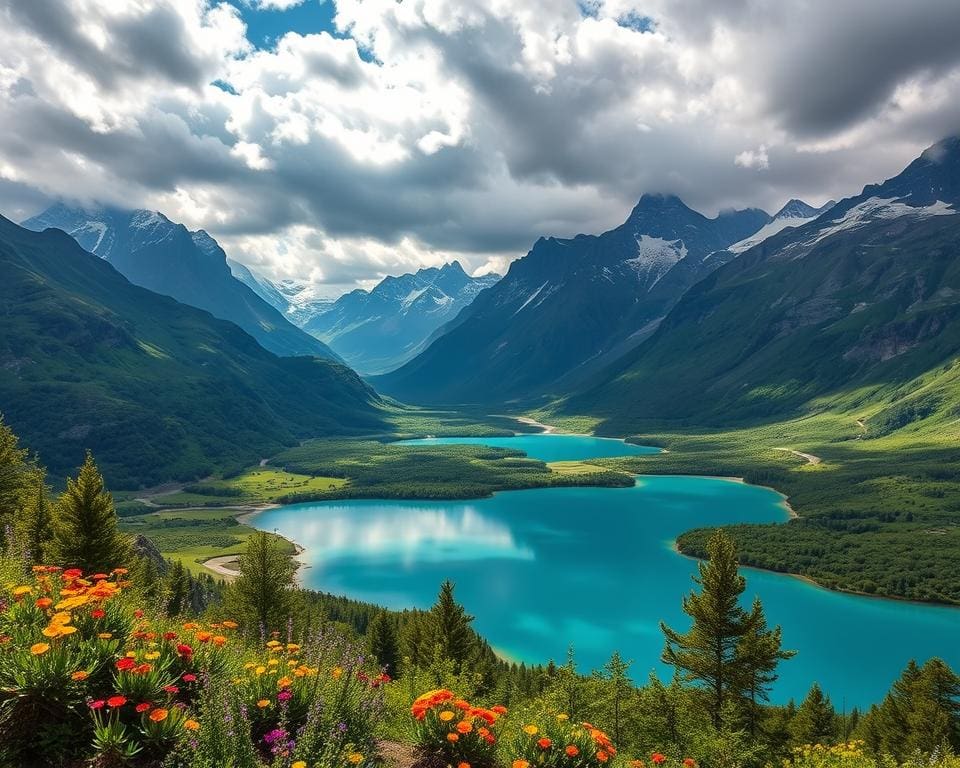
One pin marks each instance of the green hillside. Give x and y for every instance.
(159, 390)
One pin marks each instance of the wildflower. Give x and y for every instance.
(284, 682)
(21, 591)
(636, 764)
(126, 664)
(544, 743)
(79, 676)
(284, 696)
(143, 707)
(171, 689)
(184, 650)
(72, 573)
(230, 624)
(43, 603)
(299, 764)
(138, 613)
(151, 655)
(142, 669)
(464, 726)
(189, 678)
(219, 641)
(193, 725)
(658, 759)
(689, 762)
(563, 718)
(158, 715)
(572, 750)
(531, 730)
(453, 737)
(263, 703)
(38, 649)
(98, 613)
(446, 715)
(499, 709)
(602, 756)
(463, 765)
(116, 701)
(119, 571)
(105, 635)
(98, 704)
(355, 758)
(520, 764)
(336, 672)
(169, 635)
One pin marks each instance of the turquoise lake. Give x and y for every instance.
(594, 567)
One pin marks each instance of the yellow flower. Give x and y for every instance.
(273, 662)
(299, 764)
(105, 635)
(563, 717)
(446, 715)
(152, 655)
(191, 725)
(263, 703)
(18, 591)
(259, 670)
(38, 649)
(531, 730)
(79, 675)
(284, 682)
(336, 672)
(249, 665)
(230, 624)
(355, 758)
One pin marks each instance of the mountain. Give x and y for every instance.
(571, 305)
(852, 306)
(157, 389)
(378, 330)
(793, 214)
(155, 253)
(295, 299)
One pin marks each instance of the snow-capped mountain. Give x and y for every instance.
(165, 257)
(571, 305)
(378, 330)
(794, 214)
(298, 300)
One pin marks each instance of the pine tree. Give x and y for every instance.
(816, 719)
(707, 654)
(260, 596)
(35, 522)
(758, 653)
(383, 643)
(617, 670)
(15, 475)
(86, 533)
(450, 629)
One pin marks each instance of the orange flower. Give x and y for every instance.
(602, 756)
(230, 624)
(689, 762)
(499, 709)
(544, 743)
(464, 726)
(44, 602)
(452, 737)
(38, 649)
(463, 765)
(658, 758)
(79, 675)
(158, 715)
(263, 703)
(520, 764)
(191, 725)
(572, 750)
(284, 682)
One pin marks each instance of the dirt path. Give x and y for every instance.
(811, 459)
(218, 565)
(547, 429)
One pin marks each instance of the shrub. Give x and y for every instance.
(454, 730)
(559, 743)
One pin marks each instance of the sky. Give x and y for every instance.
(340, 141)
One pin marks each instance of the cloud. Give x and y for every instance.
(435, 129)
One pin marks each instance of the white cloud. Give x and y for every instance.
(434, 129)
(277, 5)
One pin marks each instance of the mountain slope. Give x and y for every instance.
(850, 306)
(294, 299)
(378, 330)
(159, 390)
(794, 214)
(153, 252)
(568, 304)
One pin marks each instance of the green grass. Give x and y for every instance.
(265, 484)
(193, 536)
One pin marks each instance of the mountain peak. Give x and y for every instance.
(796, 209)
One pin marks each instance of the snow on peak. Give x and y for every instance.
(878, 208)
(655, 257)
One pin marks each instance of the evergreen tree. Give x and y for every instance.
(707, 654)
(816, 719)
(35, 523)
(450, 629)
(616, 670)
(757, 654)
(383, 643)
(261, 595)
(15, 476)
(86, 534)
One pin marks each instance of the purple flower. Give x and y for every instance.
(284, 696)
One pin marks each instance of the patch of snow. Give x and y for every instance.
(875, 208)
(411, 297)
(655, 257)
(768, 230)
(93, 226)
(531, 297)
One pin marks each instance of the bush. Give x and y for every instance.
(454, 730)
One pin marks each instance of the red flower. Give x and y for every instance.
(98, 704)
(189, 678)
(544, 743)
(171, 689)
(72, 573)
(116, 701)
(143, 707)
(169, 635)
(658, 759)
(98, 577)
(125, 664)
(138, 613)
(184, 650)
(99, 613)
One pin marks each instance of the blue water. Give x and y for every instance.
(548, 447)
(594, 567)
